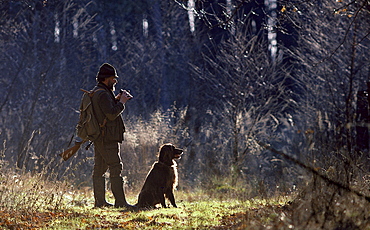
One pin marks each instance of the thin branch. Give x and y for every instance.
(313, 171)
(222, 23)
(231, 16)
(363, 38)
(345, 35)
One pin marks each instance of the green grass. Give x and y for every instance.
(31, 202)
(189, 215)
(71, 209)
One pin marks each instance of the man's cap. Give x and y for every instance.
(106, 70)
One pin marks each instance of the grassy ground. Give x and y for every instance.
(197, 214)
(31, 202)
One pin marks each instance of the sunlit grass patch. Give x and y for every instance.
(24, 192)
(32, 202)
(197, 214)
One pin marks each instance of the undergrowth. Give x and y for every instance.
(32, 202)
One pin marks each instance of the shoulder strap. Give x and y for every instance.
(91, 94)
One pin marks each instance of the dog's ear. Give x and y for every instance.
(166, 147)
(165, 153)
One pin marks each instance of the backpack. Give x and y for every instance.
(88, 127)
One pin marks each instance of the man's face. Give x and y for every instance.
(110, 82)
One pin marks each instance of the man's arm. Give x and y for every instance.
(111, 108)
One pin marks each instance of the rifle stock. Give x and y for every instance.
(71, 151)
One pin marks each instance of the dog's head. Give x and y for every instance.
(169, 152)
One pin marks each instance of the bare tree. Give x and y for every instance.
(331, 65)
(39, 47)
(247, 91)
(332, 52)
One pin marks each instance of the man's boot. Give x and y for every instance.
(99, 192)
(119, 193)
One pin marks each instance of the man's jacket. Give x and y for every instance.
(107, 107)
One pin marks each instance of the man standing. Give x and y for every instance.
(108, 109)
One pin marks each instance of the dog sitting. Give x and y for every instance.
(161, 179)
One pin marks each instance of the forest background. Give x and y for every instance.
(265, 97)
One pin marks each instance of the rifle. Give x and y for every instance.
(71, 151)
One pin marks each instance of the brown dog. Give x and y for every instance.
(161, 179)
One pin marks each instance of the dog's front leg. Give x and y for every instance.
(163, 201)
(171, 197)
